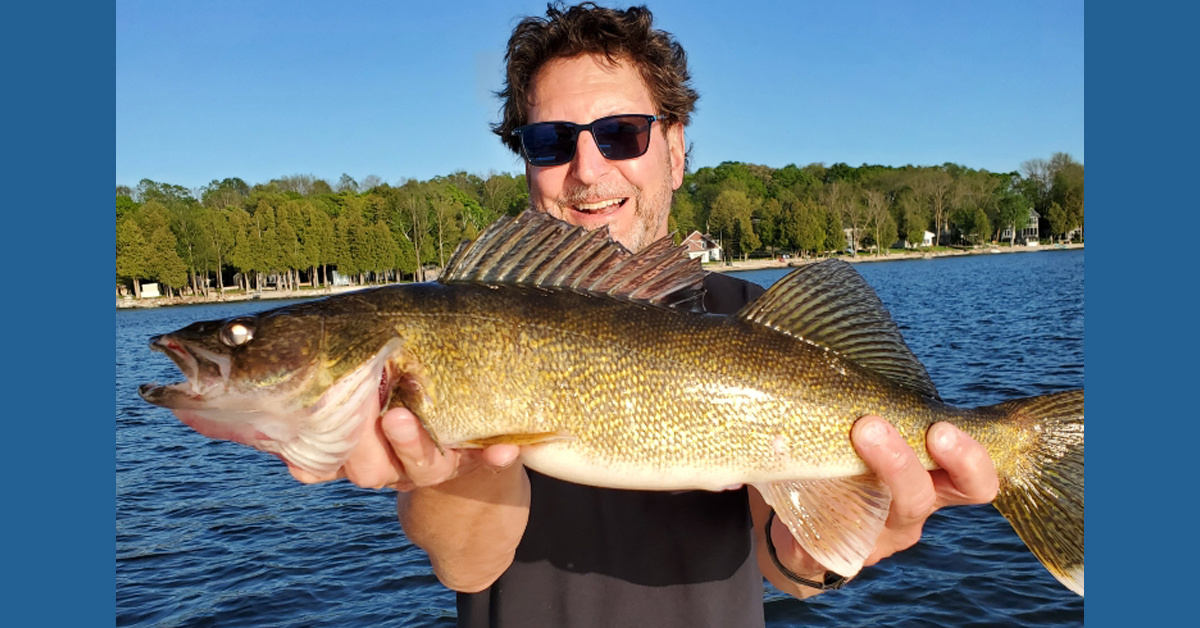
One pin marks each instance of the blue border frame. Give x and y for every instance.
(60, 496)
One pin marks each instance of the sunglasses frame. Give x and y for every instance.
(576, 129)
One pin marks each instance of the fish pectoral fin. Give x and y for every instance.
(837, 521)
(521, 440)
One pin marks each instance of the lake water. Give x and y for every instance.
(211, 533)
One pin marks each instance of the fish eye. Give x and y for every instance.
(236, 333)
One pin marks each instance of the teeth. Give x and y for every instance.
(591, 207)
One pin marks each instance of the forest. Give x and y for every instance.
(298, 230)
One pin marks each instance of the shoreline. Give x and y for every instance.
(765, 264)
(716, 267)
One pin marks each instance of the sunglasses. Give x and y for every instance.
(624, 136)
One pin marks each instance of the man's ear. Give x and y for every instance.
(677, 149)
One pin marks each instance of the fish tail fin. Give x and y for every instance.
(1041, 485)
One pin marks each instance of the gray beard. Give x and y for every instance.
(651, 213)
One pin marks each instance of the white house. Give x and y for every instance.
(702, 246)
(903, 243)
(1028, 235)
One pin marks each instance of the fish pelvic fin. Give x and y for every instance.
(829, 304)
(521, 440)
(1042, 494)
(836, 521)
(537, 250)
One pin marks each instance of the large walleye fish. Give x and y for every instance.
(562, 341)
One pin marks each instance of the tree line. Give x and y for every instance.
(298, 229)
(808, 210)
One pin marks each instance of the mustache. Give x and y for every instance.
(582, 193)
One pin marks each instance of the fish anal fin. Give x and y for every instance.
(837, 521)
(521, 440)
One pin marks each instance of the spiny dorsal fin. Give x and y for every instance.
(536, 249)
(831, 305)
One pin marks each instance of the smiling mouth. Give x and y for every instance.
(605, 206)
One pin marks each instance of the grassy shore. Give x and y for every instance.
(719, 267)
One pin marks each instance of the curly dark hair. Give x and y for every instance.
(588, 29)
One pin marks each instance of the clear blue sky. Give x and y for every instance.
(264, 89)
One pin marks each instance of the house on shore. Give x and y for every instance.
(1027, 236)
(702, 246)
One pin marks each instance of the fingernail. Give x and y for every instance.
(945, 438)
(874, 433)
(403, 430)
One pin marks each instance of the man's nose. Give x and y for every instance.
(589, 165)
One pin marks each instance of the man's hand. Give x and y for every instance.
(396, 452)
(467, 508)
(966, 476)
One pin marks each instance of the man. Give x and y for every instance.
(524, 549)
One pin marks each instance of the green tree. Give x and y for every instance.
(347, 184)
(243, 257)
(1012, 211)
(731, 217)
(445, 215)
(879, 221)
(131, 254)
(125, 207)
(932, 188)
(163, 263)
(1066, 191)
(682, 220)
(219, 234)
(766, 220)
(842, 200)
(916, 217)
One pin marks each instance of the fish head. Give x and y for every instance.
(297, 381)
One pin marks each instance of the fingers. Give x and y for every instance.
(307, 477)
(394, 451)
(499, 456)
(371, 463)
(792, 554)
(421, 462)
(967, 475)
(913, 495)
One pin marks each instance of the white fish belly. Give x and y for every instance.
(566, 462)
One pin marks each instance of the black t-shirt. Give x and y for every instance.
(593, 557)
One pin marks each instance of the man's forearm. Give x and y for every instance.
(470, 526)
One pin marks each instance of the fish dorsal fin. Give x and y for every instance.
(830, 304)
(538, 250)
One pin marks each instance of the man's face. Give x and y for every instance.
(631, 196)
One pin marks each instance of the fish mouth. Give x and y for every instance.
(205, 372)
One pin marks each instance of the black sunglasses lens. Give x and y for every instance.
(622, 137)
(548, 144)
(618, 137)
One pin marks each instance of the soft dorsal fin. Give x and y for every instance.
(830, 304)
(538, 250)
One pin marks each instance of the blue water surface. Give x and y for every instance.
(211, 533)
